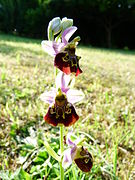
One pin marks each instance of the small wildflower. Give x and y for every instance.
(64, 52)
(66, 60)
(61, 110)
(79, 155)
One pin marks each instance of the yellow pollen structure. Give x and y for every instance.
(86, 160)
(66, 58)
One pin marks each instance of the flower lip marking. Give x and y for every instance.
(70, 56)
(67, 61)
(61, 112)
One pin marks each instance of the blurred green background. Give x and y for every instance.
(101, 23)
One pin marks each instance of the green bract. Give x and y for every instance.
(51, 152)
(54, 28)
(66, 23)
(56, 25)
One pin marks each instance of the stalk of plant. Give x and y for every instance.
(50, 37)
(61, 111)
(61, 151)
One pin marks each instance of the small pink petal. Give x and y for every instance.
(74, 96)
(73, 152)
(52, 47)
(68, 33)
(69, 142)
(67, 160)
(68, 157)
(62, 81)
(48, 97)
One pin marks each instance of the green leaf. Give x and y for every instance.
(4, 175)
(21, 174)
(38, 160)
(50, 151)
(43, 154)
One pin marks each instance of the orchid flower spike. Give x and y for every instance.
(78, 154)
(61, 100)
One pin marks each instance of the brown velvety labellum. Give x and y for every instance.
(68, 63)
(85, 163)
(61, 115)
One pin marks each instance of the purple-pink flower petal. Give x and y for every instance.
(52, 47)
(74, 96)
(67, 160)
(68, 157)
(68, 33)
(69, 142)
(48, 96)
(62, 81)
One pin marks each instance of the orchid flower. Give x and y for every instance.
(64, 52)
(61, 100)
(78, 154)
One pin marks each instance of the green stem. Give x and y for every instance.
(73, 171)
(61, 150)
(55, 73)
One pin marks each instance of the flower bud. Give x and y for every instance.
(54, 27)
(66, 23)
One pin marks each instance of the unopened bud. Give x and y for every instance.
(66, 23)
(54, 27)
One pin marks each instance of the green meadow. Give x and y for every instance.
(107, 113)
